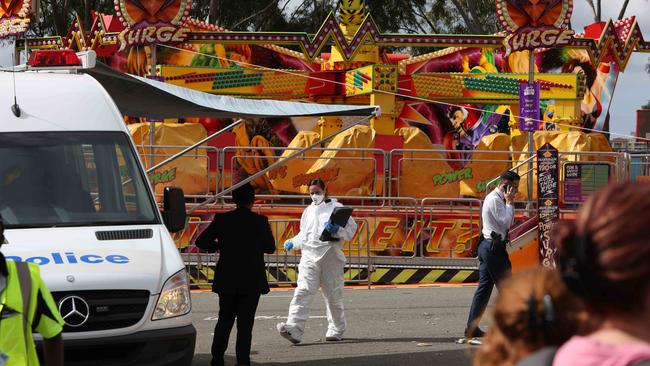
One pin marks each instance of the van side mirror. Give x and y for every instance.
(174, 214)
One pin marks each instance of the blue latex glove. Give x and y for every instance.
(332, 228)
(288, 245)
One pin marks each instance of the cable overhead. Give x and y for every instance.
(260, 67)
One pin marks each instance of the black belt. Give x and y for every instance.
(496, 243)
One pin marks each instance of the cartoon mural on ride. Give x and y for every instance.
(448, 119)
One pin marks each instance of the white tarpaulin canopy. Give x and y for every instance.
(140, 97)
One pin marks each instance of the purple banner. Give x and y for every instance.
(529, 106)
(548, 212)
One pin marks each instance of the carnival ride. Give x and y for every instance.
(416, 174)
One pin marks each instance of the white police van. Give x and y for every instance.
(75, 200)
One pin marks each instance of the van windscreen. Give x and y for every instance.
(52, 179)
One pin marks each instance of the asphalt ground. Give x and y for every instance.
(386, 326)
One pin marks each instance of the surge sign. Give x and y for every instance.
(152, 21)
(535, 23)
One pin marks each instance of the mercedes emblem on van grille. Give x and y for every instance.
(74, 310)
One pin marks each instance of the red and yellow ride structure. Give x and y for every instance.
(417, 172)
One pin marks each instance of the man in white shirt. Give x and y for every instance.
(498, 215)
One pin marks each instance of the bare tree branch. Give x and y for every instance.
(213, 12)
(593, 8)
(298, 8)
(59, 12)
(468, 21)
(419, 10)
(284, 6)
(273, 2)
(411, 30)
(472, 5)
(623, 9)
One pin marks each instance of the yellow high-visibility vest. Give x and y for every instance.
(16, 339)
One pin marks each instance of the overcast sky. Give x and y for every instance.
(632, 90)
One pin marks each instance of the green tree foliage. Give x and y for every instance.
(407, 16)
(396, 16)
(56, 16)
(252, 15)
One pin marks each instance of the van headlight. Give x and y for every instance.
(174, 299)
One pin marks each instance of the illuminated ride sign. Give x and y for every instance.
(14, 17)
(535, 23)
(152, 21)
(531, 38)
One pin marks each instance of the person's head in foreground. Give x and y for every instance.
(605, 260)
(533, 310)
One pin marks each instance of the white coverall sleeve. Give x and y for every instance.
(346, 233)
(502, 213)
(300, 237)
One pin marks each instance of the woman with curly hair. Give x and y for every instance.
(534, 310)
(605, 260)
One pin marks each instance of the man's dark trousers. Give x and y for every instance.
(494, 266)
(243, 307)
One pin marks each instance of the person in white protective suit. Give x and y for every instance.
(321, 265)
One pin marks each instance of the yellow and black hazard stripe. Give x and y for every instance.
(281, 276)
(200, 277)
(385, 276)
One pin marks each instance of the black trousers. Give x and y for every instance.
(494, 266)
(231, 306)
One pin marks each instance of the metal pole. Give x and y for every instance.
(276, 164)
(531, 142)
(152, 123)
(369, 262)
(194, 146)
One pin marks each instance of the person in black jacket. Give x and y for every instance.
(241, 237)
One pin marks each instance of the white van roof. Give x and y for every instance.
(56, 101)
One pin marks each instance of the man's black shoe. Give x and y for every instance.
(477, 333)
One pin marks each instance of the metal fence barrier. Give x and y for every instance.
(466, 209)
(639, 166)
(232, 157)
(417, 219)
(282, 266)
(208, 153)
